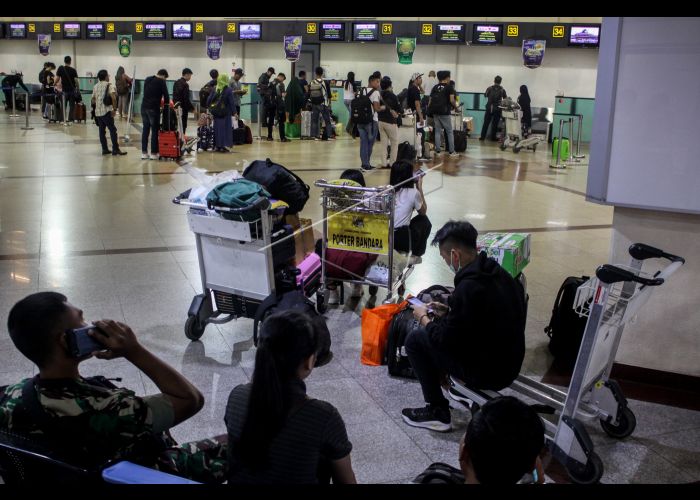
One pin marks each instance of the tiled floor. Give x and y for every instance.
(102, 231)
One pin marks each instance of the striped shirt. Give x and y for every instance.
(315, 432)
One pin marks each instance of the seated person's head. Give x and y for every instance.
(353, 174)
(37, 326)
(503, 442)
(286, 352)
(401, 176)
(457, 243)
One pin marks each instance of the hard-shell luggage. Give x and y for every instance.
(239, 135)
(564, 154)
(306, 124)
(309, 275)
(460, 140)
(80, 113)
(169, 144)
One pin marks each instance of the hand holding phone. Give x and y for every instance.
(80, 343)
(414, 301)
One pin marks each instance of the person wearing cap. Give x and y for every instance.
(388, 127)
(181, 96)
(238, 90)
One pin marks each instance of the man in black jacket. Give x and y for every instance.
(181, 94)
(479, 337)
(154, 89)
(493, 95)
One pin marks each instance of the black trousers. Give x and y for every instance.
(184, 122)
(492, 118)
(413, 238)
(281, 119)
(270, 113)
(107, 122)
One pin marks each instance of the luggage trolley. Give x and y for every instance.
(357, 214)
(236, 263)
(515, 135)
(609, 300)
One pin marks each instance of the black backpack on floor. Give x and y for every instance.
(401, 325)
(406, 152)
(565, 329)
(281, 183)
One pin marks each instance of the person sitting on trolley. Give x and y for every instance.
(89, 419)
(479, 337)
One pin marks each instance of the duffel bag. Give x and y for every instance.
(239, 193)
(282, 183)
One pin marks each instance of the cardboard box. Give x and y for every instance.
(469, 123)
(304, 240)
(510, 250)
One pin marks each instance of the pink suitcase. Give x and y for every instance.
(309, 273)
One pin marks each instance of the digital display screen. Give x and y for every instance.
(450, 33)
(586, 36)
(249, 31)
(332, 32)
(154, 31)
(18, 30)
(71, 30)
(487, 34)
(368, 32)
(182, 31)
(95, 31)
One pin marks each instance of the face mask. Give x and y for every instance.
(455, 270)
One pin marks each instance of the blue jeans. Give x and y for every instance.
(368, 134)
(151, 125)
(444, 121)
(321, 109)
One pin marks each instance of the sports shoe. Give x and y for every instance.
(454, 154)
(457, 396)
(356, 291)
(430, 417)
(367, 167)
(155, 156)
(333, 297)
(414, 259)
(144, 156)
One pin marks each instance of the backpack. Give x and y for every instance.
(204, 93)
(361, 108)
(122, 86)
(316, 92)
(296, 300)
(403, 98)
(282, 183)
(440, 473)
(494, 96)
(238, 193)
(566, 327)
(404, 323)
(439, 101)
(218, 106)
(406, 152)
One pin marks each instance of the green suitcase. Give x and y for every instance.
(564, 148)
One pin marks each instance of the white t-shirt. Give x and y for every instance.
(405, 201)
(348, 94)
(428, 84)
(373, 97)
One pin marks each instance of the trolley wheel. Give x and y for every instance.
(373, 289)
(321, 306)
(193, 330)
(590, 474)
(626, 425)
(503, 146)
(516, 149)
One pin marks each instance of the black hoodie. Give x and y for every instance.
(485, 327)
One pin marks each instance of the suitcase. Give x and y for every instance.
(460, 140)
(54, 113)
(205, 134)
(80, 113)
(239, 135)
(306, 124)
(169, 144)
(248, 135)
(309, 276)
(564, 148)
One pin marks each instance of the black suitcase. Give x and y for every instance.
(239, 135)
(460, 140)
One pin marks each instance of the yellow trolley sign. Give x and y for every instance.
(358, 232)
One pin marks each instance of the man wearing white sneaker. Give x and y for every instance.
(154, 89)
(442, 102)
(479, 337)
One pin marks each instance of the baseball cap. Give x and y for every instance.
(416, 75)
(239, 71)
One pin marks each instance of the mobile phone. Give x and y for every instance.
(416, 302)
(80, 343)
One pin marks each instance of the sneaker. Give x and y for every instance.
(454, 154)
(144, 156)
(437, 152)
(155, 156)
(414, 259)
(333, 297)
(457, 396)
(367, 167)
(430, 417)
(316, 139)
(356, 291)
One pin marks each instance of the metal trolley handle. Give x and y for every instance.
(609, 274)
(640, 251)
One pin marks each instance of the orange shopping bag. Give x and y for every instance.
(375, 332)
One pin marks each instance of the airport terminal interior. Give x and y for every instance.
(104, 231)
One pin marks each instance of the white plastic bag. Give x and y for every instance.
(199, 193)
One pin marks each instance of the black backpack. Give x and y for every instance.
(440, 473)
(401, 325)
(565, 329)
(361, 107)
(218, 106)
(439, 100)
(204, 94)
(296, 300)
(282, 184)
(403, 98)
(406, 152)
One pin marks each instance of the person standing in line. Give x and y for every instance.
(368, 131)
(268, 103)
(279, 94)
(524, 103)
(349, 92)
(69, 85)
(442, 102)
(123, 82)
(493, 94)
(181, 95)
(154, 90)
(320, 106)
(221, 107)
(388, 123)
(104, 97)
(238, 91)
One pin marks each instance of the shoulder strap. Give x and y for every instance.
(30, 401)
